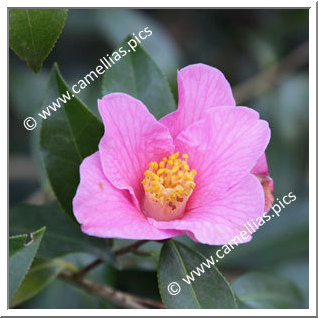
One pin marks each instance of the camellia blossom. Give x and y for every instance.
(199, 171)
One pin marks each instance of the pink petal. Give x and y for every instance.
(223, 147)
(268, 187)
(260, 170)
(261, 167)
(200, 88)
(217, 221)
(105, 211)
(132, 139)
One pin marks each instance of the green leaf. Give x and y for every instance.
(262, 290)
(210, 290)
(161, 45)
(137, 75)
(62, 295)
(68, 136)
(21, 254)
(297, 271)
(40, 275)
(33, 33)
(62, 235)
(26, 96)
(271, 243)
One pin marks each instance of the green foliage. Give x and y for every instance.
(40, 275)
(163, 49)
(73, 132)
(262, 290)
(66, 138)
(27, 90)
(62, 235)
(210, 290)
(137, 74)
(271, 243)
(21, 254)
(33, 33)
(62, 295)
(296, 271)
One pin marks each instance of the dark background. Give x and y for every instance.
(263, 54)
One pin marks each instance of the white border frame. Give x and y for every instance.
(312, 162)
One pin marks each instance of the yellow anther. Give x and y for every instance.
(175, 169)
(191, 185)
(174, 156)
(161, 171)
(169, 182)
(180, 174)
(179, 187)
(188, 177)
(185, 165)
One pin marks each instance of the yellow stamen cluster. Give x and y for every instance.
(170, 181)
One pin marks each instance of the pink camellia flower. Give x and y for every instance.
(199, 171)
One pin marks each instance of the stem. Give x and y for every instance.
(141, 253)
(80, 274)
(120, 298)
(265, 80)
(117, 297)
(130, 248)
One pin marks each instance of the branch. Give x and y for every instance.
(142, 253)
(81, 273)
(130, 248)
(262, 82)
(117, 297)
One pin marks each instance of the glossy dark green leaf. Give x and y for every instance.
(137, 75)
(208, 290)
(297, 271)
(69, 135)
(22, 251)
(40, 275)
(262, 290)
(161, 45)
(62, 236)
(62, 295)
(33, 33)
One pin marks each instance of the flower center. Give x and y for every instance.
(168, 186)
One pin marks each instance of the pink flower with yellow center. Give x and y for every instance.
(199, 171)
